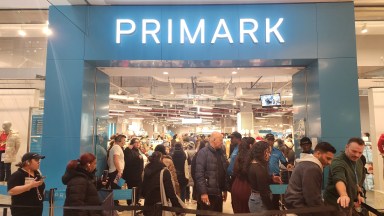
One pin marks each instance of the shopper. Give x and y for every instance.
(235, 142)
(306, 145)
(134, 167)
(241, 190)
(346, 178)
(259, 178)
(81, 186)
(26, 186)
(151, 183)
(276, 158)
(167, 160)
(304, 188)
(179, 158)
(116, 162)
(211, 181)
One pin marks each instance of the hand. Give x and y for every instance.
(343, 201)
(204, 198)
(277, 179)
(104, 182)
(119, 174)
(35, 183)
(360, 199)
(290, 167)
(224, 196)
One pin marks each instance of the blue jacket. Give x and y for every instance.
(232, 160)
(207, 173)
(276, 156)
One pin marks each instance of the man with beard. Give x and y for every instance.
(346, 178)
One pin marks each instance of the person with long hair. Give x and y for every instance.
(259, 178)
(81, 186)
(26, 186)
(179, 158)
(168, 162)
(151, 183)
(241, 190)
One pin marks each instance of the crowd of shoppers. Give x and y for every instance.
(201, 163)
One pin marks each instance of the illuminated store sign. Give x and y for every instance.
(150, 29)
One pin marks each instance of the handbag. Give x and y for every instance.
(164, 200)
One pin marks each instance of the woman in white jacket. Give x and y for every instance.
(9, 146)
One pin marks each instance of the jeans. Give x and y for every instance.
(5, 169)
(255, 203)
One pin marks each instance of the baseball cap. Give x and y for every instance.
(305, 140)
(236, 135)
(270, 137)
(30, 156)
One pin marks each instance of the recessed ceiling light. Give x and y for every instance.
(165, 73)
(22, 33)
(234, 72)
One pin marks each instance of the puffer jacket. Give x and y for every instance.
(81, 191)
(207, 173)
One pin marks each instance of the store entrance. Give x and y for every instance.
(159, 99)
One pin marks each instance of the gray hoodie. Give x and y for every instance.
(304, 188)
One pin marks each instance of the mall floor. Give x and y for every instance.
(374, 199)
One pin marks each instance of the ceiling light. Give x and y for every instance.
(116, 114)
(161, 104)
(119, 111)
(140, 107)
(234, 103)
(138, 101)
(21, 33)
(364, 29)
(120, 97)
(241, 103)
(234, 72)
(165, 73)
(47, 31)
(170, 105)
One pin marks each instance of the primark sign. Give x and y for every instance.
(181, 32)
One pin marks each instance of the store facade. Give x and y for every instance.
(317, 36)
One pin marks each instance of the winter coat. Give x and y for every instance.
(167, 160)
(81, 191)
(135, 165)
(151, 185)
(304, 188)
(207, 171)
(179, 159)
(12, 147)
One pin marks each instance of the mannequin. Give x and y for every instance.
(9, 146)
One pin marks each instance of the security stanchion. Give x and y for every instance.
(133, 199)
(5, 211)
(52, 201)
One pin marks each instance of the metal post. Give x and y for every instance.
(52, 201)
(5, 210)
(133, 203)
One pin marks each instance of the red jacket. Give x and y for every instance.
(380, 144)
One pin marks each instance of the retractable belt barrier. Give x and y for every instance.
(160, 208)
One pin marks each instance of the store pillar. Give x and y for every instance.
(245, 119)
(376, 116)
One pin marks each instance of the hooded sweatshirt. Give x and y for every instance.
(304, 188)
(81, 191)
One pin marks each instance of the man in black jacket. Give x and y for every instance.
(304, 188)
(211, 182)
(133, 168)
